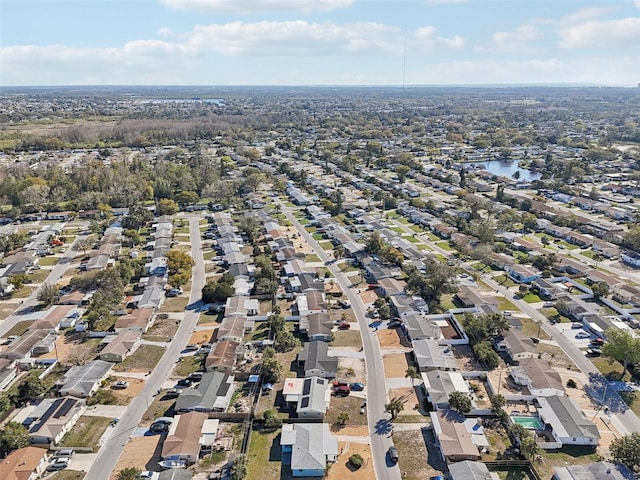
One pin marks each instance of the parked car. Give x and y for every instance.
(394, 324)
(342, 391)
(58, 464)
(393, 454)
(597, 341)
(582, 335)
(172, 393)
(121, 385)
(594, 352)
(548, 305)
(159, 427)
(185, 382)
(65, 453)
(356, 387)
(191, 347)
(196, 376)
(576, 325)
(344, 326)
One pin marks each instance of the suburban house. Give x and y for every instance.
(140, 320)
(515, 345)
(429, 355)
(546, 290)
(540, 379)
(593, 471)
(307, 448)
(468, 470)
(222, 358)
(212, 394)
(52, 418)
(26, 463)
(82, 381)
(457, 438)
(438, 385)
(120, 346)
(314, 398)
(566, 422)
(316, 360)
(419, 327)
(317, 326)
(23, 347)
(183, 439)
(521, 273)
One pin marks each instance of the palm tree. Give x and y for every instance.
(394, 407)
(412, 373)
(597, 257)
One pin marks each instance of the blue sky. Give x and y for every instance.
(319, 42)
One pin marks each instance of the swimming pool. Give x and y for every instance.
(528, 421)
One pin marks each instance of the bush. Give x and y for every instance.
(571, 383)
(356, 460)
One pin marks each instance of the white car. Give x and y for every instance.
(58, 464)
(582, 335)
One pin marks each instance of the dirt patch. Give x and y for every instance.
(164, 328)
(7, 309)
(416, 460)
(201, 336)
(354, 431)
(395, 365)
(408, 397)
(133, 390)
(140, 452)
(341, 471)
(71, 348)
(389, 338)
(351, 369)
(368, 296)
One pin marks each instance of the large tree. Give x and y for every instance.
(14, 435)
(626, 450)
(622, 347)
(460, 402)
(394, 407)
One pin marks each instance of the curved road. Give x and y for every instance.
(110, 452)
(379, 420)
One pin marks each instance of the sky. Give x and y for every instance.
(319, 42)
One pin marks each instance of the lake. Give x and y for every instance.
(505, 168)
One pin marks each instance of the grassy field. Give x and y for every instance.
(613, 370)
(570, 455)
(312, 258)
(86, 432)
(145, 358)
(175, 304)
(38, 276)
(264, 456)
(67, 475)
(48, 261)
(346, 338)
(351, 405)
(531, 329)
(19, 328)
(188, 365)
(445, 245)
(505, 304)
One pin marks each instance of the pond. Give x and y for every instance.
(505, 168)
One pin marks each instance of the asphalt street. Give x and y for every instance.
(108, 456)
(380, 426)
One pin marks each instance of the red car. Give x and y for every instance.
(341, 391)
(344, 326)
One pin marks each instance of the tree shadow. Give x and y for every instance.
(383, 426)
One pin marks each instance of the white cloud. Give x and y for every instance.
(425, 39)
(620, 33)
(521, 39)
(589, 13)
(254, 6)
(637, 2)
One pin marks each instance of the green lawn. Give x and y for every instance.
(19, 328)
(505, 304)
(38, 276)
(67, 475)
(570, 455)
(188, 365)
(145, 358)
(48, 261)
(530, 329)
(264, 456)
(346, 338)
(86, 432)
(312, 258)
(445, 245)
(175, 304)
(398, 230)
(614, 369)
(531, 298)
(504, 280)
